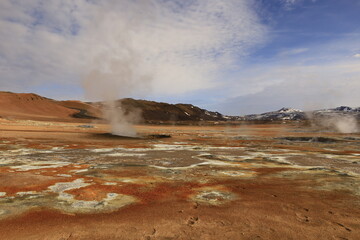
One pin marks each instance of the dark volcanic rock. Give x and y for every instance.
(310, 139)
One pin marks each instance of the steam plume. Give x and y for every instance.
(338, 123)
(118, 70)
(347, 125)
(113, 78)
(176, 46)
(342, 124)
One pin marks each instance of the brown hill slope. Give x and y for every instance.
(159, 111)
(35, 107)
(32, 106)
(85, 110)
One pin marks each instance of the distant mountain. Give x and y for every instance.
(342, 112)
(281, 114)
(295, 114)
(339, 110)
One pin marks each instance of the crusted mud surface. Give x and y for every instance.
(66, 181)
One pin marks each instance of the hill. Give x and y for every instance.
(32, 106)
(158, 111)
(35, 107)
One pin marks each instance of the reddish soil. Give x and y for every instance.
(276, 202)
(272, 210)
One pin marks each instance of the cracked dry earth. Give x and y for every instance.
(60, 181)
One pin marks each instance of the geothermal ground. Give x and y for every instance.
(280, 181)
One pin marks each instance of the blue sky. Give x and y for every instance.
(309, 23)
(233, 56)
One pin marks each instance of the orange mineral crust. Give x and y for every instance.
(12, 183)
(262, 211)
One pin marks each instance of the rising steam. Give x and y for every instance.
(176, 46)
(113, 79)
(118, 71)
(121, 48)
(343, 124)
(338, 123)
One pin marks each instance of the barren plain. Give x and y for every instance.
(261, 181)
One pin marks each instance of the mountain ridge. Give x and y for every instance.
(36, 107)
(296, 114)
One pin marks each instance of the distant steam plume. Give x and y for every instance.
(347, 125)
(338, 123)
(343, 124)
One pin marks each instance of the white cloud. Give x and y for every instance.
(357, 55)
(324, 76)
(181, 46)
(306, 87)
(294, 51)
(291, 4)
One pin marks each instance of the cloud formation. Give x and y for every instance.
(324, 77)
(180, 46)
(292, 4)
(294, 51)
(195, 51)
